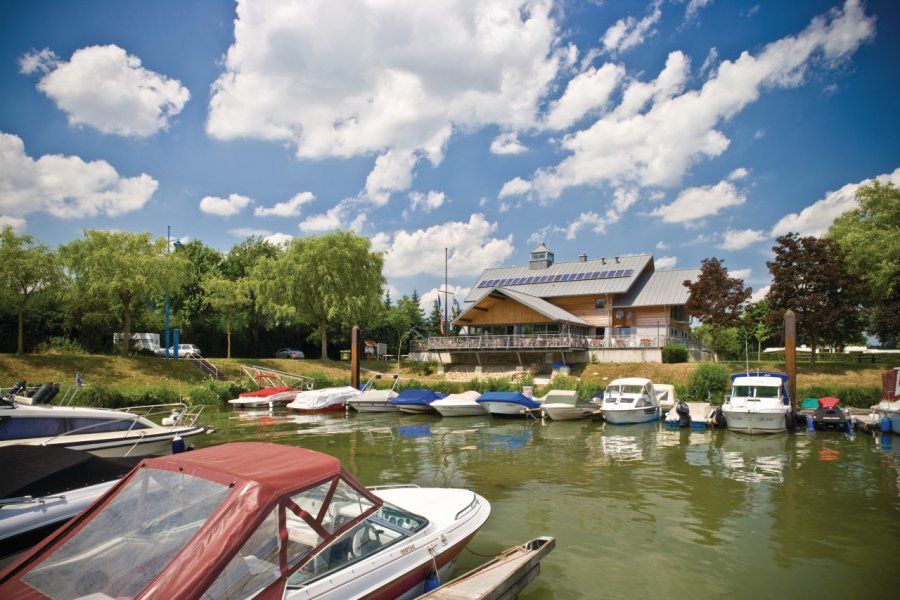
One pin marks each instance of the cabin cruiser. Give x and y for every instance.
(324, 400)
(630, 400)
(758, 403)
(508, 404)
(372, 400)
(100, 431)
(250, 520)
(564, 405)
(413, 401)
(464, 404)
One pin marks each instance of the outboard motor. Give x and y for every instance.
(684, 414)
(9, 399)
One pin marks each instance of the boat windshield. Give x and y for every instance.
(755, 391)
(128, 543)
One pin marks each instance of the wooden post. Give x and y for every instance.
(790, 354)
(354, 356)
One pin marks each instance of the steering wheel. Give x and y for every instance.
(362, 537)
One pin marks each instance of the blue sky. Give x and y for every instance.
(680, 128)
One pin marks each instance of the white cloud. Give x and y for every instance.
(739, 239)
(662, 246)
(245, 232)
(17, 223)
(471, 248)
(279, 239)
(629, 32)
(291, 208)
(710, 62)
(587, 91)
(816, 218)
(760, 294)
(108, 89)
(738, 174)
(665, 262)
(692, 204)
(741, 274)
(224, 207)
(338, 79)
(658, 131)
(515, 187)
(339, 217)
(507, 143)
(690, 13)
(427, 202)
(65, 186)
(454, 292)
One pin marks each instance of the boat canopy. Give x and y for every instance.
(414, 396)
(511, 397)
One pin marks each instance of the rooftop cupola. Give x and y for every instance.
(541, 257)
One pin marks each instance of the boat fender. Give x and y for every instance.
(43, 395)
(810, 424)
(789, 420)
(432, 582)
(886, 440)
(177, 445)
(885, 425)
(850, 425)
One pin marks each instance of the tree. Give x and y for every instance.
(240, 262)
(716, 299)
(122, 270)
(24, 270)
(810, 277)
(403, 318)
(870, 235)
(332, 280)
(228, 298)
(435, 319)
(755, 325)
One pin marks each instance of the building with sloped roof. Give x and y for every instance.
(618, 308)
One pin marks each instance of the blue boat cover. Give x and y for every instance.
(511, 397)
(413, 396)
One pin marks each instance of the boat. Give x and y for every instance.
(459, 405)
(45, 486)
(829, 416)
(324, 400)
(889, 407)
(507, 404)
(275, 388)
(665, 396)
(372, 400)
(414, 401)
(630, 400)
(689, 414)
(100, 431)
(251, 520)
(564, 405)
(758, 403)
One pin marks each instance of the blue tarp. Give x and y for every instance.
(511, 397)
(413, 396)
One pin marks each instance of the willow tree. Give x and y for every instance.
(25, 269)
(228, 299)
(122, 270)
(329, 281)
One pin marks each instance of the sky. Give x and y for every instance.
(685, 129)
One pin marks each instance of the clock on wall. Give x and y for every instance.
(619, 314)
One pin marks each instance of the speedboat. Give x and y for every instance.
(630, 400)
(272, 392)
(564, 405)
(45, 486)
(689, 414)
(830, 416)
(251, 520)
(372, 400)
(758, 403)
(101, 431)
(508, 404)
(413, 401)
(459, 405)
(323, 400)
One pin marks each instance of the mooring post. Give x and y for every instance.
(354, 356)
(790, 354)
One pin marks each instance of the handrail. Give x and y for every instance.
(253, 372)
(187, 417)
(465, 509)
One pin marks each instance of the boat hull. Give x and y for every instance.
(567, 413)
(373, 406)
(140, 442)
(505, 409)
(755, 421)
(631, 416)
(459, 410)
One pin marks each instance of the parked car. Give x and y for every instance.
(289, 353)
(185, 351)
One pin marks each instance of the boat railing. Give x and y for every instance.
(176, 413)
(391, 486)
(471, 506)
(258, 374)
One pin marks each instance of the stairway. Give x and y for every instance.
(208, 368)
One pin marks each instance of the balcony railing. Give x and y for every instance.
(535, 342)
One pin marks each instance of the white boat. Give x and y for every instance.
(274, 388)
(459, 405)
(564, 405)
(100, 431)
(630, 400)
(251, 520)
(665, 396)
(417, 402)
(758, 403)
(323, 400)
(508, 404)
(372, 400)
(889, 407)
(689, 414)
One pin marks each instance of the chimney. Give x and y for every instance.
(582, 258)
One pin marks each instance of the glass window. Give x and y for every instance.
(20, 428)
(95, 425)
(599, 303)
(345, 506)
(127, 544)
(254, 567)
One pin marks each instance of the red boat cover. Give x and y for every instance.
(259, 473)
(266, 391)
(828, 402)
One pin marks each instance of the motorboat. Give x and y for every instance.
(324, 400)
(459, 405)
(105, 432)
(758, 403)
(508, 404)
(630, 400)
(689, 414)
(665, 396)
(415, 401)
(829, 416)
(251, 520)
(889, 407)
(564, 405)
(274, 388)
(45, 486)
(375, 400)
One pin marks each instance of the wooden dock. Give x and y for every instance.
(501, 578)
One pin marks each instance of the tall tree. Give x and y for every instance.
(716, 299)
(332, 280)
(810, 277)
(435, 319)
(240, 263)
(404, 318)
(122, 270)
(25, 268)
(870, 235)
(755, 325)
(227, 298)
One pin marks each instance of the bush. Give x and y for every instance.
(425, 367)
(856, 397)
(100, 396)
(674, 353)
(215, 392)
(59, 345)
(589, 389)
(709, 382)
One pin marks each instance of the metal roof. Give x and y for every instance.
(609, 285)
(659, 288)
(536, 304)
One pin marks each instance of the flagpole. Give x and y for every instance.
(446, 320)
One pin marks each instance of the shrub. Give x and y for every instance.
(215, 392)
(154, 395)
(709, 382)
(674, 353)
(857, 397)
(59, 345)
(589, 389)
(425, 367)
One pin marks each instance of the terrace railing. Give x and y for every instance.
(479, 343)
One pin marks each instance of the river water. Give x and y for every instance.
(637, 510)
